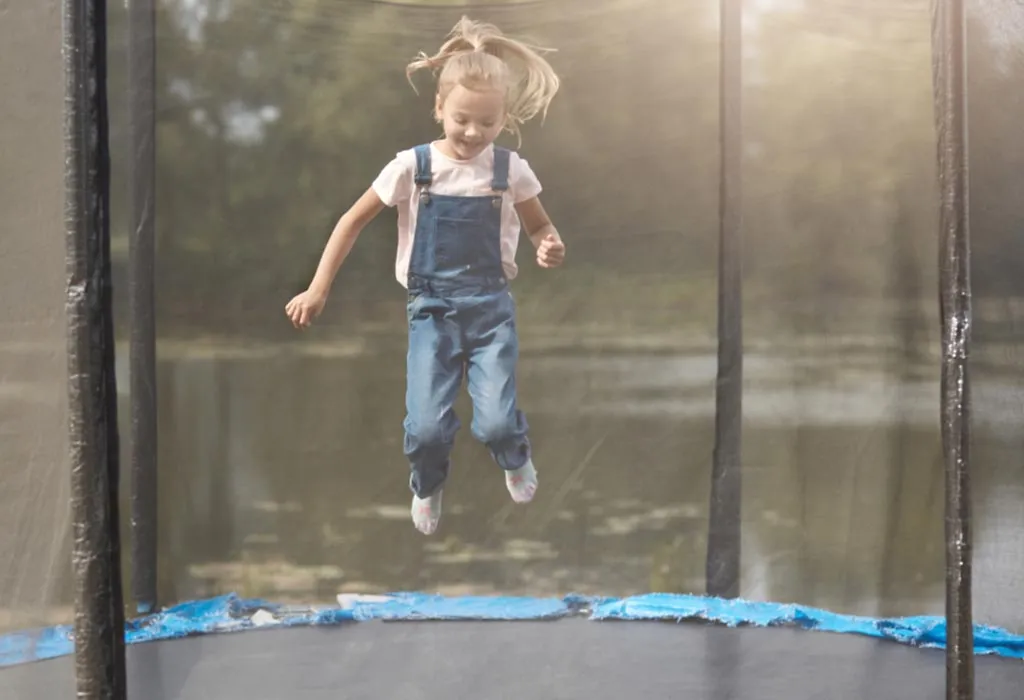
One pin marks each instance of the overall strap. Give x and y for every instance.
(423, 174)
(501, 158)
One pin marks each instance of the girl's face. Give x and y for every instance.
(472, 119)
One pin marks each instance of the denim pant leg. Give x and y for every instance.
(492, 355)
(434, 375)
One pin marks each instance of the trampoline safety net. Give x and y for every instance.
(789, 475)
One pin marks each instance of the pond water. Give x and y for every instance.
(282, 476)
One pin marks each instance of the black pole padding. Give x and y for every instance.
(724, 526)
(949, 68)
(92, 393)
(142, 306)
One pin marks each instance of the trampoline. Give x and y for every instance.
(771, 469)
(581, 659)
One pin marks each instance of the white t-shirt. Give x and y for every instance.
(396, 187)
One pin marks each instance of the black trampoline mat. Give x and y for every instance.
(568, 659)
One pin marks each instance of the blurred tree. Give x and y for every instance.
(274, 116)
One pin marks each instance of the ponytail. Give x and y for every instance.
(477, 54)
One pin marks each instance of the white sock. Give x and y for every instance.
(522, 482)
(426, 512)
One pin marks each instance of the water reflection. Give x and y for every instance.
(283, 476)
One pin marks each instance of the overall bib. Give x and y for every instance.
(461, 322)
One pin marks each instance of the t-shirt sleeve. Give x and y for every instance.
(394, 184)
(524, 183)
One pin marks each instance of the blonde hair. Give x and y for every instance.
(478, 54)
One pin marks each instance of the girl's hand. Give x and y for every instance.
(305, 307)
(551, 251)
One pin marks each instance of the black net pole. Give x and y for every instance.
(723, 555)
(141, 283)
(92, 394)
(949, 74)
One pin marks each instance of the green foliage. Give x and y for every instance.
(274, 116)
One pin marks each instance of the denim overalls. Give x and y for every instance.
(461, 320)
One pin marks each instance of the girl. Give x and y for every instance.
(460, 203)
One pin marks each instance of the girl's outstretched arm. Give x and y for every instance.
(307, 306)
